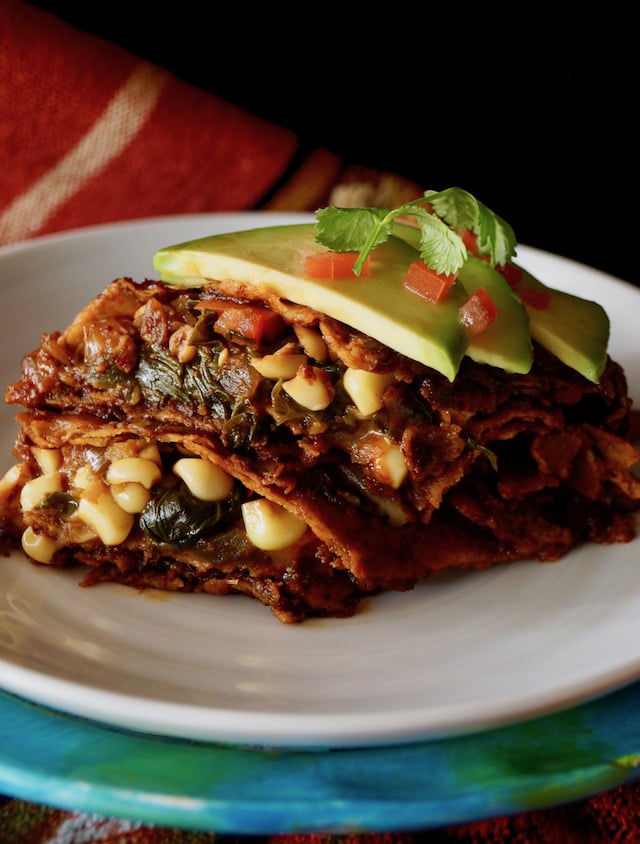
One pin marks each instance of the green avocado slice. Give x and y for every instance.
(506, 342)
(270, 260)
(575, 330)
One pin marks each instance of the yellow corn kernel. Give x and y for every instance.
(84, 477)
(278, 366)
(137, 470)
(48, 459)
(18, 474)
(205, 480)
(366, 388)
(269, 526)
(38, 546)
(179, 344)
(392, 509)
(311, 387)
(133, 447)
(36, 490)
(98, 509)
(311, 341)
(77, 532)
(132, 497)
(151, 452)
(390, 466)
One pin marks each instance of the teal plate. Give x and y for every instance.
(55, 759)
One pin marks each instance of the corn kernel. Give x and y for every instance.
(179, 345)
(383, 458)
(84, 477)
(278, 366)
(366, 388)
(151, 452)
(391, 466)
(311, 341)
(311, 388)
(12, 478)
(48, 459)
(98, 509)
(132, 497)
(205, 480)
(78, 532)
(269, 526)
(134, 470)
(36, 490)
(38, 546)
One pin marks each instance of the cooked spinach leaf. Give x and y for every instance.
(160, 374)
(176, 517)
(63, 503)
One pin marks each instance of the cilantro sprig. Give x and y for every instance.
(435, 235)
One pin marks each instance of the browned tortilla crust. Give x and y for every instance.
(501, 467)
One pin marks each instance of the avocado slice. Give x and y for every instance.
(506, 343)
(271, 260)
(575, 330)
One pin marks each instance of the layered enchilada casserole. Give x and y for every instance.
(213, 434)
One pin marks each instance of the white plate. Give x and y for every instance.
(458, 654)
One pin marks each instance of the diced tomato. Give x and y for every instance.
(424, 281)
(333, 265)
(478, 312)
(538, 299)
(512, 274)
(245, 321)
(470, 240)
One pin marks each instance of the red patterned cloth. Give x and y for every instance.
(90, 133)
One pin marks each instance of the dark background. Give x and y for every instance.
(538, 121)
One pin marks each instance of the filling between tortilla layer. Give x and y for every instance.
(189, 440)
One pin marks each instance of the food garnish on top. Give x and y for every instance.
(365, 267)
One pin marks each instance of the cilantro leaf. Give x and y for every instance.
(495, 237)
(455, 206)
(440, 245)
(348, 229)
(462, 210)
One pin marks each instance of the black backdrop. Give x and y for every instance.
(538, 122)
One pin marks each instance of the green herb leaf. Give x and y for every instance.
(176, 517)
(160, 374)
(495, 237)
(347, 229)
(455, 206)
(440, 244)
(64, 503)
